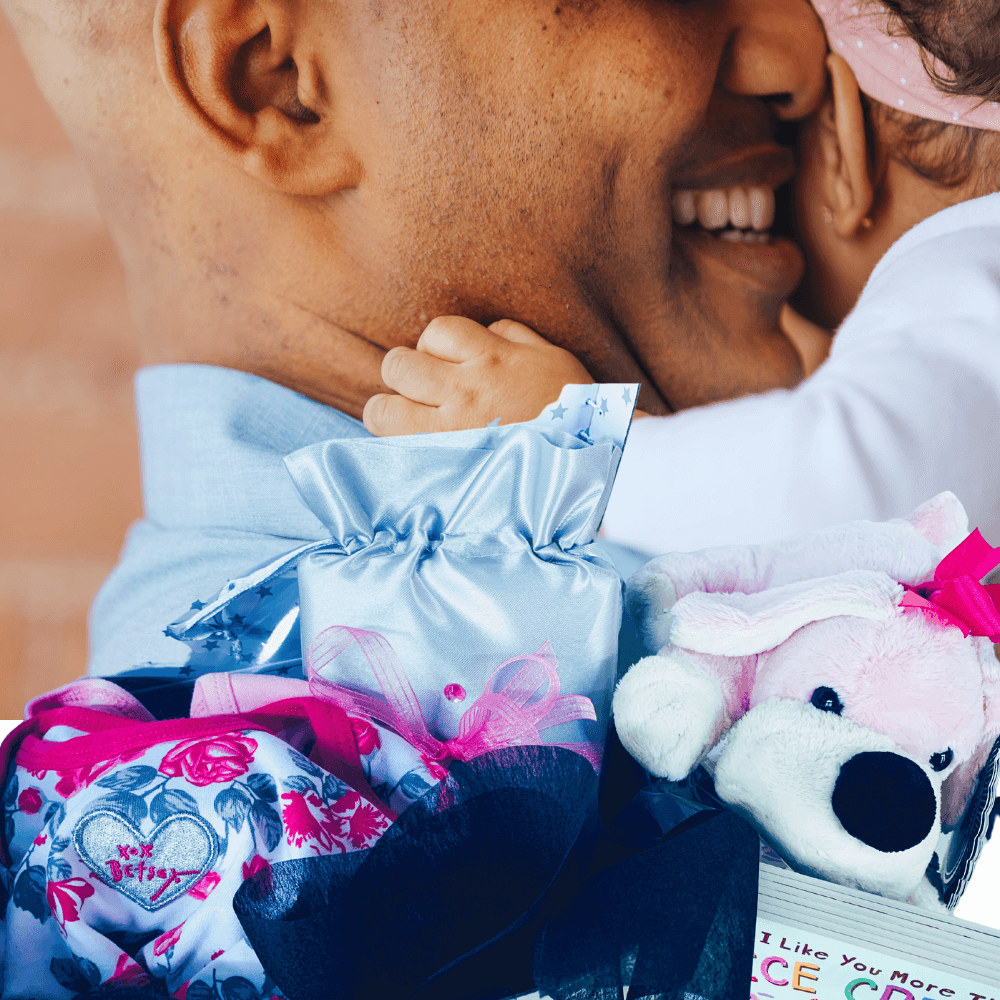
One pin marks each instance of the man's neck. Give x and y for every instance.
(265, 335)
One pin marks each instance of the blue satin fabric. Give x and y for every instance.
(465, 550)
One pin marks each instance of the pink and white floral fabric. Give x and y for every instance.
(122, 864)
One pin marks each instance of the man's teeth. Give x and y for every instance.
(742, 208)
(744, 236)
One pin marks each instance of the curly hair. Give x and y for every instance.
(963, 35)
(960, 40)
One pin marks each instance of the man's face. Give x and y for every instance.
(520, 161)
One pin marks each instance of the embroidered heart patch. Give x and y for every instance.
(151, 869)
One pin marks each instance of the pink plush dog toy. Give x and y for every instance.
(842, 686)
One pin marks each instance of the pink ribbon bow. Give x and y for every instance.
(956, 596)
(496, 719)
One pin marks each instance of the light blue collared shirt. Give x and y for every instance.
(218, 503)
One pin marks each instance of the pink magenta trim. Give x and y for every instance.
(509, 716)
(955, 596)
(111, 737)
(90, 692)
(231, 694)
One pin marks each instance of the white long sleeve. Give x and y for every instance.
(907, 405)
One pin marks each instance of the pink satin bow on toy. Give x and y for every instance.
(956, 596)
(496, 719)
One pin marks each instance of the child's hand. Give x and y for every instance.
(811, 341)
(463, 375)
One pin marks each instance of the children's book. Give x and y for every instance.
(818, 939)
(824, 941)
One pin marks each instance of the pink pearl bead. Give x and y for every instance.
(454, 692)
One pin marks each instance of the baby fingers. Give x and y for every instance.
(517, 333)
(390, 416)
(455, 338)
(416, 375)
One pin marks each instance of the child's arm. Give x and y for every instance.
(463, 375)
(811, 341)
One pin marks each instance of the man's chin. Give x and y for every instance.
(735, 314)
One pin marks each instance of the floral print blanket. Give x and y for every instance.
(122, 871)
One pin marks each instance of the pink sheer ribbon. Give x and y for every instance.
(497, 719)
(955, 596)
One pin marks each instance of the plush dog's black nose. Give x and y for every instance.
(885, 801)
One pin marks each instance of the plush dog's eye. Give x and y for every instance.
(939, 761)
(827, 700)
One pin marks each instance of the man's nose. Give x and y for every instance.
(777, 51)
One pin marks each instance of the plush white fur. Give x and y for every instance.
(746, 634)
(906, 550)
(908, 678)
(738, 624)
(669, 727)
(763, 773)
(942, 521)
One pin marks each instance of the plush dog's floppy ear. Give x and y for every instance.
(907, 550)
(743, 624)
(655, 588)
(942, 521)
(649, 596)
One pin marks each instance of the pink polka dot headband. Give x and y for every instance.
(890, 69)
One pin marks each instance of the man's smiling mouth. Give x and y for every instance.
(741, 214)
(733, 197)
(724, 211)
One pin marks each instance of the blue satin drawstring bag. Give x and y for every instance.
(459, 600)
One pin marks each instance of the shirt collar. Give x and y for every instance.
(213, 442)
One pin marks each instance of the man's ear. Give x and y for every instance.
(245, 73)
(849, 184)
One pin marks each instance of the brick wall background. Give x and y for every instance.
(68, 459)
